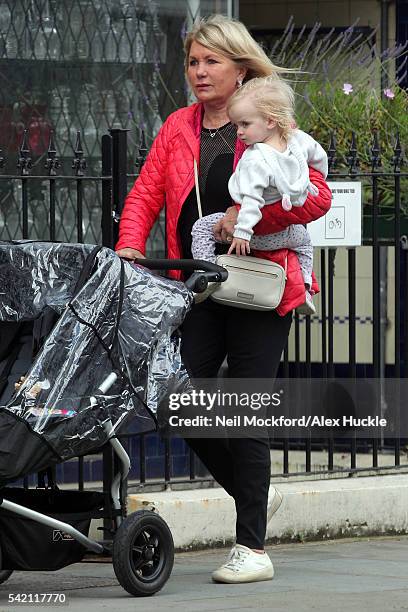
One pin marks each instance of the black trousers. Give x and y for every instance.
(253, 342)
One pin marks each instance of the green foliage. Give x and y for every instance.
(338, 92)
(327, 109)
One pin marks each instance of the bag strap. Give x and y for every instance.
(200, 210)
(86, 269)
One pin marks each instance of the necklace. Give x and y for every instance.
(214, 131)
(227, 143)
(212, 134)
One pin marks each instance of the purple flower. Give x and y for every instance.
(347, 88)
(388, 93)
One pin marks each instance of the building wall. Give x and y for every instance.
(275, 14)
(364, 311)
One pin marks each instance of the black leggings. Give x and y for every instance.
(253, 342)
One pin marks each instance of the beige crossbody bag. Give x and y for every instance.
(253, 283)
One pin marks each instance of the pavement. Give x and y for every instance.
(361, 574)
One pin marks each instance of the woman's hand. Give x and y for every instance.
(240, 246)
(224, 228)
(130, 254)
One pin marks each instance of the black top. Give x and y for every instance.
(216, 162)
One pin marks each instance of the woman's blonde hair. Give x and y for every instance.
(273, 98)
(230, 38)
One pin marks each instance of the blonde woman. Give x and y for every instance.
(274, 167)
(220, 56)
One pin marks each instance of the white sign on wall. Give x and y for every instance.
(341, 226)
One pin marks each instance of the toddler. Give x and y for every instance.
(274, 167)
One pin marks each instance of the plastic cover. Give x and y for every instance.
(122, 320)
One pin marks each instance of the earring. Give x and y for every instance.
(239, 82)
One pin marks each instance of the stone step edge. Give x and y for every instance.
(311, 510)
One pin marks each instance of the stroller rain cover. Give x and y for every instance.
(121, 320)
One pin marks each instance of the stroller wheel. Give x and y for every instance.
(143, 553)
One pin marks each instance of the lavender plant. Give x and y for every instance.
(339, 90)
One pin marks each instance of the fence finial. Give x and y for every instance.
(52, 162)
(352, 156)
(397, 159)
(79, 163)
(24, 161)
(142, 151)
(375, 153)
(331, 152)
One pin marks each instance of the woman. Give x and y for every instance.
(220, 56)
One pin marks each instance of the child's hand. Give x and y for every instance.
(240, 246)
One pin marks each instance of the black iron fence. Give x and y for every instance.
(312, 351)
(360, 328)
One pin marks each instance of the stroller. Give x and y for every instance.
(106, 352)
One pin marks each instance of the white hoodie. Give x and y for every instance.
(264, 175)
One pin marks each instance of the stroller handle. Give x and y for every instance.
(203, 271)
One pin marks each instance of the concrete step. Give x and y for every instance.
(311, 510)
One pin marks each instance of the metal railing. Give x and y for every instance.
(331, 455)
(314, 340)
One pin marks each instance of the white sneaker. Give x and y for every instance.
(274, 502)
(307, 308)
(244, 565)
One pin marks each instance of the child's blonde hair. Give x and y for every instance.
(273, 98)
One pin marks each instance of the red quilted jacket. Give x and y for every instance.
(167, 177)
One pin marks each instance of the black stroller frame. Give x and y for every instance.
(142, 547)
(139, 522)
